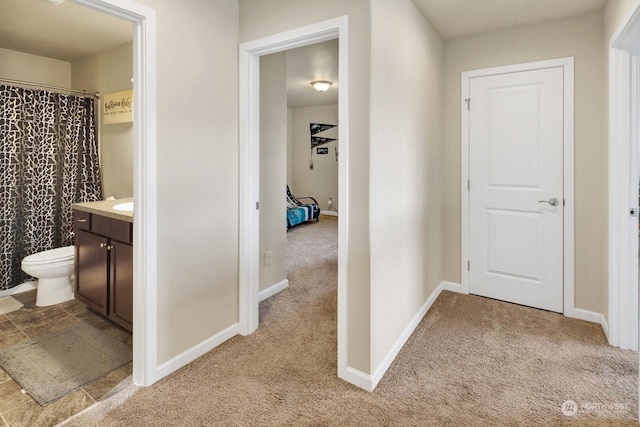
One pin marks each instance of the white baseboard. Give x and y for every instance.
(272, 290)
(329, 213)
(357, 378)
(193, 353)
(592, 316)
(379, 372)
(453, 287)
(369, 382)
(196, 351)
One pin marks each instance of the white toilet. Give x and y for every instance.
(53, 269)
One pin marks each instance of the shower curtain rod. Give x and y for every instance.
(40, 85)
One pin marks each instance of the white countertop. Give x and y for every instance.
(105, 208)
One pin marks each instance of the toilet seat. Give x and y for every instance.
(51, 256)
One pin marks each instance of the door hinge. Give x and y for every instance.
(468, 185)
(468, 265)
(468, 101)
(257, 205)
(633, 212)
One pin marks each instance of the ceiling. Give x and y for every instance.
(70, 31)
(458, 18)
(66, 32)
(309, 63)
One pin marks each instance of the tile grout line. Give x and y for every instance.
(18, 327)
(72, 315)
(87, 393)
(31, 400)
(4, 420)
(65, 312)
(14, 324)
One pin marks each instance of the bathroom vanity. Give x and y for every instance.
(104, 259)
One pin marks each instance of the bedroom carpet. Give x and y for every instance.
(471, 361)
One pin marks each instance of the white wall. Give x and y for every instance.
(107, 72)
(581, 37)
(260, 18)
(273, 168)
(22, 66)
(197, 169)
(321, 182)
(615, 13)
(405, 185)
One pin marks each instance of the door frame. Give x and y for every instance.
(624, 107)
(249, 252)
(568, 180)
(145, 332)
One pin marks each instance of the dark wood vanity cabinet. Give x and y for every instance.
(121, 290)
(92, 261)
(104, 266)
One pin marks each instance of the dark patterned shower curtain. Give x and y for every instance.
(48, 161)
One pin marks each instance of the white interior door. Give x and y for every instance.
(516, 187)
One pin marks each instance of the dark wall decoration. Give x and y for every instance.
(318, 140)
(319, 127)
(316, 128)
(48, 161)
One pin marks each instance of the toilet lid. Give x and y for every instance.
(52, 255)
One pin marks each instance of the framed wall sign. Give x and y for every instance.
(117, 107)
(322, 150)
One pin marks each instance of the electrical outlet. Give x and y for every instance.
(268, 258)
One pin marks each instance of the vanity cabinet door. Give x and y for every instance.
(121, 297)
(91, 267)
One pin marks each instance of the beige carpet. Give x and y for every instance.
(471, 361)
(9, 304)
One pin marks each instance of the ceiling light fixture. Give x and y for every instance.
(56, 2)
(321, 85)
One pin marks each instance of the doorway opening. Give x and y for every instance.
(250, 258)
(139, 51)
(145, 369)
(298, 150)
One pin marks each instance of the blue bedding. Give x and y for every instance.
(299, 215)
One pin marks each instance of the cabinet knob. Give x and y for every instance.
(102, 245)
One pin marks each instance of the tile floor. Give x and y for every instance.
(19, 409)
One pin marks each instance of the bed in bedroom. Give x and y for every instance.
(299, 212)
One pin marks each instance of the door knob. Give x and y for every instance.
(552, 202)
